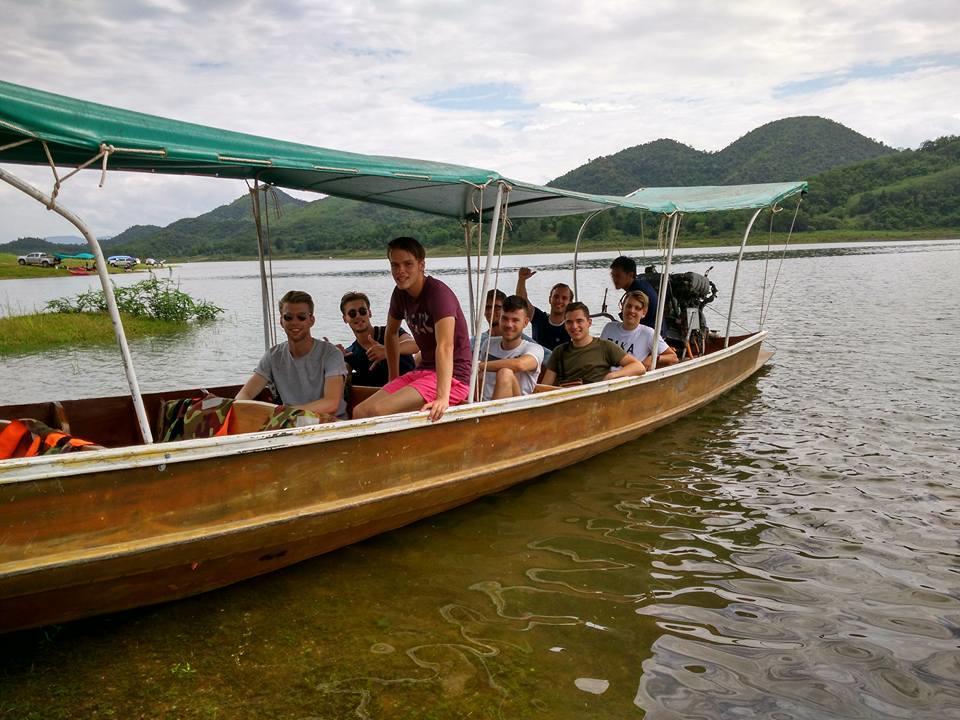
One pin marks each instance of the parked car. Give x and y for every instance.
(38, 258)
(124, 261)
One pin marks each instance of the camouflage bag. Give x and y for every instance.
(190, 418)
(209, 416)
(290, 417)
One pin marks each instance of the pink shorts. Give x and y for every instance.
(425, 383)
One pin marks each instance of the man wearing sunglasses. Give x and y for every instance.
(307, 373)
(367, 356)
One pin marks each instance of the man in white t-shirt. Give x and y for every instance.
(513, 364)
(635, 338)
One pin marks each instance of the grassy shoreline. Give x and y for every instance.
(10, 269)
(27, 334)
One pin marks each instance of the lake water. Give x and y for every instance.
(791, 551)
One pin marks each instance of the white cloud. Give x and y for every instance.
(594, 78)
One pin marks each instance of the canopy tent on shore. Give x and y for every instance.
(76, 256)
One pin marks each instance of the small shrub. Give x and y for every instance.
(154, 298)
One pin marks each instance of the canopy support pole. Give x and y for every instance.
(491, 245)
(266, 310)
(112, 310)
(468, 243)
(736, 275)
(672, 232)
(576, 249)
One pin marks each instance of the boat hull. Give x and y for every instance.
(105, 531)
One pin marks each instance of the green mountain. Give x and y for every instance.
(228, 229)
(661, 163)
(791, 149)
(795, 148)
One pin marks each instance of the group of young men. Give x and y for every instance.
(429, 368)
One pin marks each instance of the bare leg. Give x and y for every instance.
(506, 385)
(384, 403)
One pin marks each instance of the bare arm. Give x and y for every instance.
(444, 329)
(549, 377)
(391, 343)
(253, 387)
(524, 275)
(524, 363)
(330, 402)
(667, 357)
(629, 367)
(408, 346)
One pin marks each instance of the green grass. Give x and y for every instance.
(11, 270)
(24, 334)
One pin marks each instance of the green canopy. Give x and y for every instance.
(75, 132)
(76, 256)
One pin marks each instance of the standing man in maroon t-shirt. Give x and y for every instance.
(437, 323)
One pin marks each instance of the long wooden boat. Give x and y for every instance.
(96, 532)
(139, 522)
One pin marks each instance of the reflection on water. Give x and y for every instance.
(790, 551)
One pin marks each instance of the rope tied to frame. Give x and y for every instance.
(467, 241)
(105, 151)
(58, 181)
(261, 218)
(774, 209)
(18, 143)
(793, 222)
(643, 238)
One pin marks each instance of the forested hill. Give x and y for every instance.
(907, 190)
(791, 149)
(226, 230)
(25, 245)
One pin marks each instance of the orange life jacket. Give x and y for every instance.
(28, 438)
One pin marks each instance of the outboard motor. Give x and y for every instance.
(684, 324)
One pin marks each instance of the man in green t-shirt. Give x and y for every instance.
(586, 358)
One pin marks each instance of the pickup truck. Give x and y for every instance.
(38, 258)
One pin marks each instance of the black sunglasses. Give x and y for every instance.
(353, 312)
(300, 316)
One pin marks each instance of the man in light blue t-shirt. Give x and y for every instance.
(307, 373)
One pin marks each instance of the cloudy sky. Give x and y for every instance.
(530, 89)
